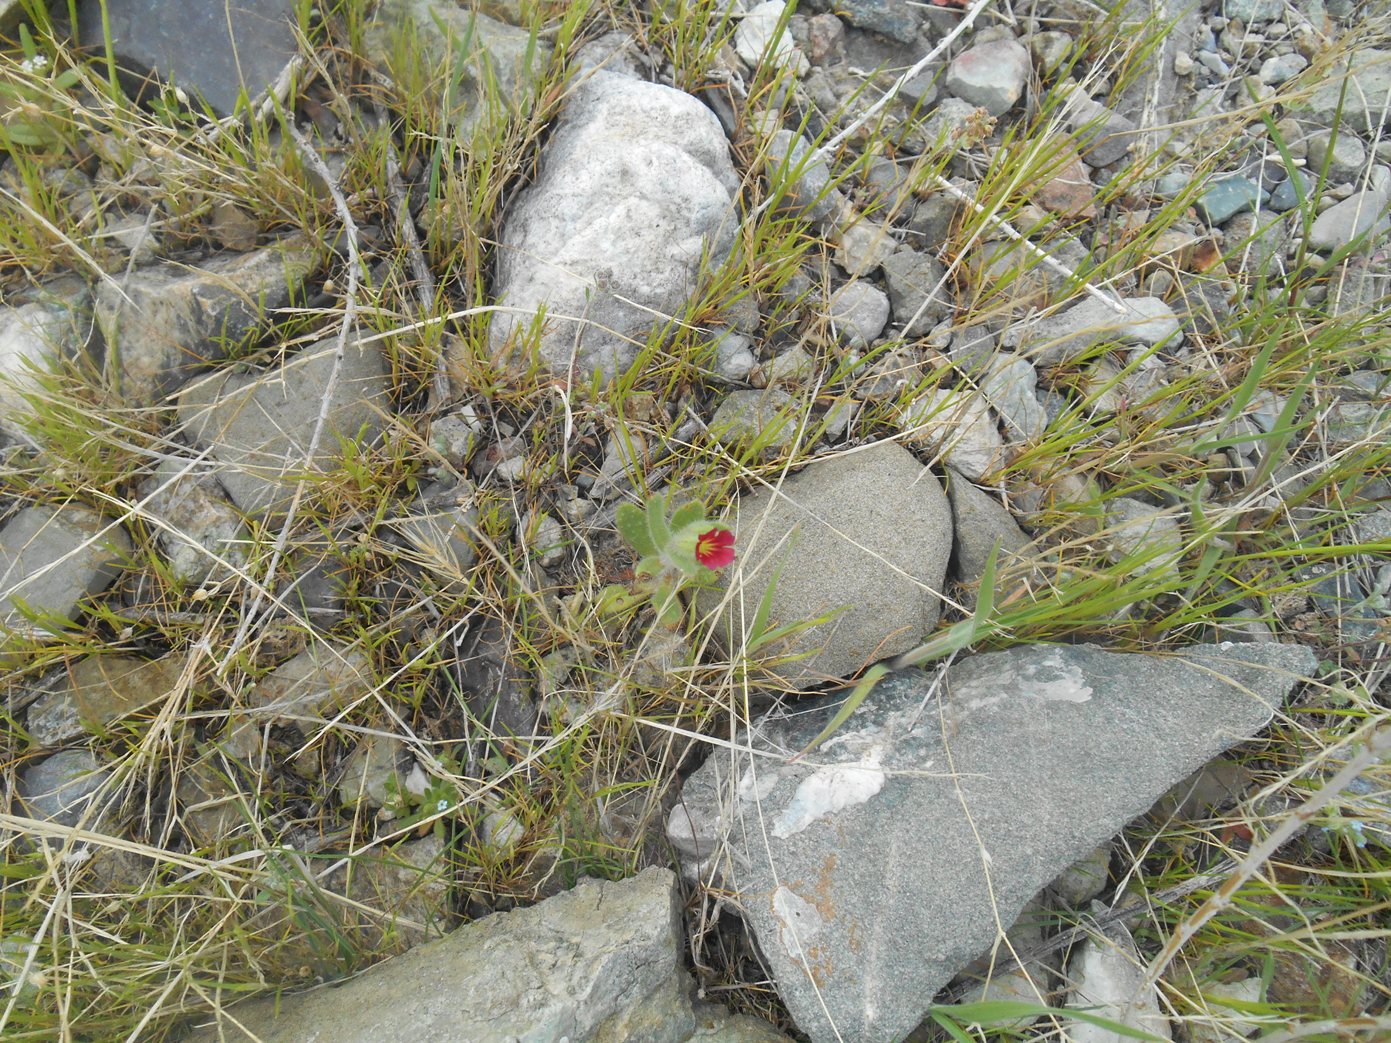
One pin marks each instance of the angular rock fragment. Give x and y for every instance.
(51, 558)
(861, 867)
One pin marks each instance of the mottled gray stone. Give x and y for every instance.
(1010, 386)
(215, 51)
(859, 867)
(891, 18)
(37, 340)
(167, 322)
(61, 788)
(1343, 153)
(980, 524)
(910, 276)
(858, 312)
(440, 529)
(98, 690)
(1103, 136)
(838, 532)
(326, 677)
(1368, 77)
(199, 532)
(758, 35)
(1135, 528)
(1362, 213)
(744, 416)
(1147, 322)
(991, 75)
(600, 963)
(489, 62)
(634, 193)
(260, 425)
(51, 558)
(958, 425)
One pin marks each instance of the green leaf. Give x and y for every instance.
(968, 631)
(658, 530)
(632, 526)
(687, 514)
(988, 1011)
(850, 705)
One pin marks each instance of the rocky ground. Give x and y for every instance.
(1034, 353)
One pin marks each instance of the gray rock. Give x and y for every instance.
(910, 276)
(803, 177)
(836, 531)
(634, 191)
(1344, 154)
(440, 529)
(599, 963)
(497, 689)
(1362, 213)
(37, 340)
(858, 312)
(768, 417)
(793, 366)
(1133, 528)
(456, 435)
(991, 75)
(890, 18)
(1276, 69)
(959, 426)
(260, 425)
(1082, 881)
(372, 773)
(206, 50)
(1108, 980)
(169, 321)
(734, 357)
(858, 869)
(758, 34)
(1374, 528)
(1103, 136)
(61, 789)
(1228, 197)
(1148, 322)
(1253, 10)
(1010, 386)
(489, 63)
(1010, 280)
(51, 558)
(199, 532)
(862, 245)
(98, 690)
(1368, 78)
(980, 524)
(326, 677)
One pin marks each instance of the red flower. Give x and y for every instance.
(715, 549)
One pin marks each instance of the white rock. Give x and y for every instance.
(758, 34)
(1109, 978)
(991, 75)
(35, 340)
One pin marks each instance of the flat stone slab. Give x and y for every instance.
(212, 50)
(598, 963)
(51, 558)
(260, 426)
(861, 869)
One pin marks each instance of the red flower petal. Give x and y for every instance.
(715, 549)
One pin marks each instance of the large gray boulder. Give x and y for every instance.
(875, 868)
(635, 193)
(865, 536)
(600, 963)
(259, 427)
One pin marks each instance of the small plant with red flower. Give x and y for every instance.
(675, 550)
